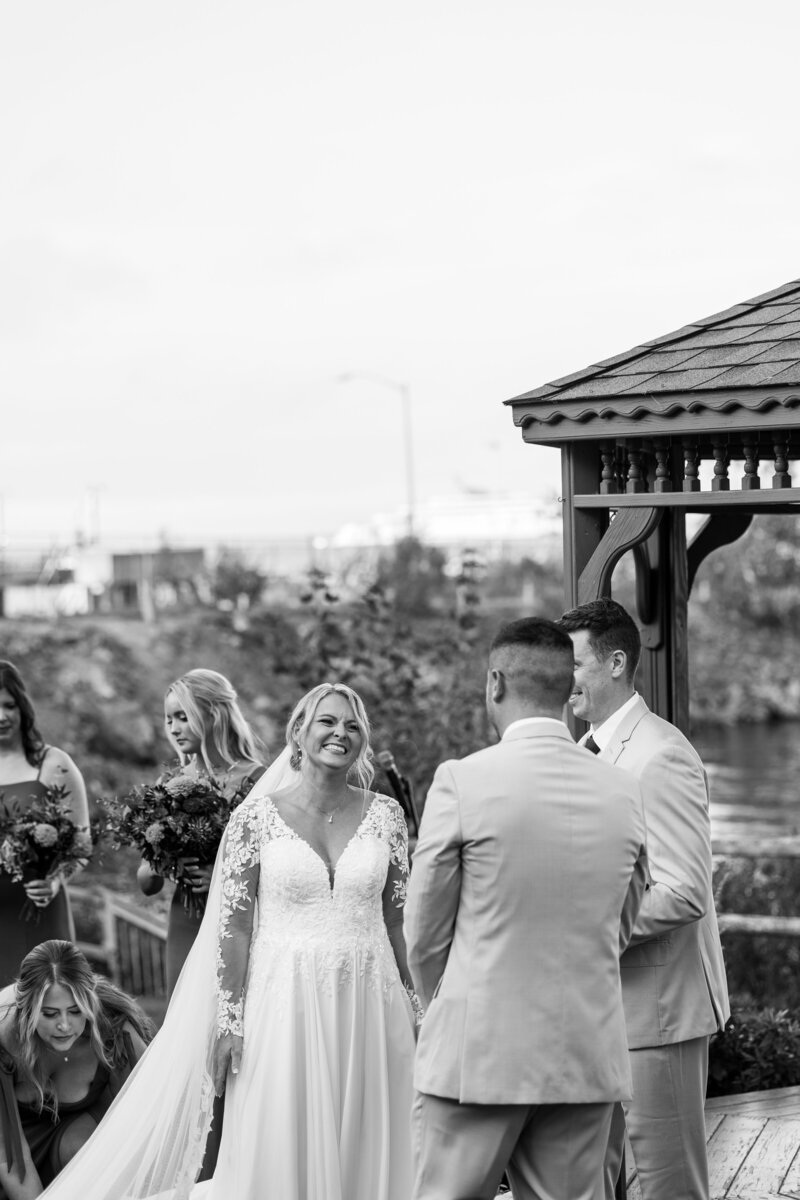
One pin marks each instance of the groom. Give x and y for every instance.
(528, 875)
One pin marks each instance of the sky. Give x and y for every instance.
(211, 212)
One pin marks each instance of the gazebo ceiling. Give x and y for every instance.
(738, 369)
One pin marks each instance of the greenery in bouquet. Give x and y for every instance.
(41, 841)
(178, 817)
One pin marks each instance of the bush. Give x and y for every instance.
(757, 1050)
(763, 969)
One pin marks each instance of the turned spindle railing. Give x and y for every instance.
(660, 466)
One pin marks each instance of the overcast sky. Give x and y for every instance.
(211, 211)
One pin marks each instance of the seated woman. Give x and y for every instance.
(68, 1041)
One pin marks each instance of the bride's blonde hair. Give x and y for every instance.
(303, 715)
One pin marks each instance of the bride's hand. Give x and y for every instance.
(227, 1056)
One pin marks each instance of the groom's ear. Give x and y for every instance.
(496, 684)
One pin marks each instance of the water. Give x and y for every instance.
(754, 777)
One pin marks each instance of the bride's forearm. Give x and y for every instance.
(398, 943)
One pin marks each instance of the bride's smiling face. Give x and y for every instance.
(333, 738)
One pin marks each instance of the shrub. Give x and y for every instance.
(756, 1051)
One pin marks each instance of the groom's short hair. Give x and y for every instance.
(536, 657)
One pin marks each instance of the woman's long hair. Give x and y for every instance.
(214, 716)
(105, 1007)
(303, 715)
(33, 744)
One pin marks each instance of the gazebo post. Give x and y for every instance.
(583, 529)
(663, 672)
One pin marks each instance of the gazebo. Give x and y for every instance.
(635, 432)
(704, 420)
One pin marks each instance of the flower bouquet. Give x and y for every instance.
(178, 817)
(41, 841)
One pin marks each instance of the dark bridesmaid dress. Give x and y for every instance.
(18, 936)
(41, 1130)
(183, 926)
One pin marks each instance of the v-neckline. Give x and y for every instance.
(332, 869)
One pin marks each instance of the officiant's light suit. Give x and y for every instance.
(527, 877)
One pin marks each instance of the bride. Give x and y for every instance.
(296, 998)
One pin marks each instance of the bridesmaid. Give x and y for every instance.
(206, 726)
(28, 767)
(68, 1041)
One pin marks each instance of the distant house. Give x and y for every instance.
(54, 583)
(143, 584)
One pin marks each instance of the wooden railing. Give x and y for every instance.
(133, 946)
(766, 847)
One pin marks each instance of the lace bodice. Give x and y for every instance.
(306, 921)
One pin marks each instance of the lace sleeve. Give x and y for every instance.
(396, 833)
(240, 873)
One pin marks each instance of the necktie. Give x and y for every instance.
(591, 745)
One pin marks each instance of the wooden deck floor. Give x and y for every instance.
(753, 1146)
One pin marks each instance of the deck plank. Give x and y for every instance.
(728, 1150)
(713, 1122)
(778, 1101)
(769, 1159)
(753, 1147)
(791, 1182)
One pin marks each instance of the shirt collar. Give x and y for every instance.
(531, 721)
(603, 734)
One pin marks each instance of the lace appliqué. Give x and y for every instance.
(387, 821)
(194, 1157)
(238, 895)
(416, 1004)
(313, 931)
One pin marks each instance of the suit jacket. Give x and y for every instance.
(527, 876)
(673, 974)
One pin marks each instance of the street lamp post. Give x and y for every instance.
(404, 391)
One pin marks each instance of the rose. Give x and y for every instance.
(181, 786)
(83, 842)
(154, 833)
(44, 834)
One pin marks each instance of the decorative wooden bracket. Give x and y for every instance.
(718, 530)
(629, 528)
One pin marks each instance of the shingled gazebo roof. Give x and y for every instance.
(746, 358)
(705, 420)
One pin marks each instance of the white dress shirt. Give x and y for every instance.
(603, 733)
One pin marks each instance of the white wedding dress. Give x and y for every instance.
(321, 1109)
(301, 963)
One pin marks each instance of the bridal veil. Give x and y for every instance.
(152, 1139)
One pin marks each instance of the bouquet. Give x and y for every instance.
(41, 841)
(177, 817)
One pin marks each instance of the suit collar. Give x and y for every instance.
(625, 729)
(535, 729)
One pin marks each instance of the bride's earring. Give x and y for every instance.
(294, 761)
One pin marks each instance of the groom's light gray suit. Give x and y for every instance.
(527, 878)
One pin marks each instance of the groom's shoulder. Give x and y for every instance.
(478, 759)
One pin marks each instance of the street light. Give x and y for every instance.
(404, 392)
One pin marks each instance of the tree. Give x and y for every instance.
(234, 576)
